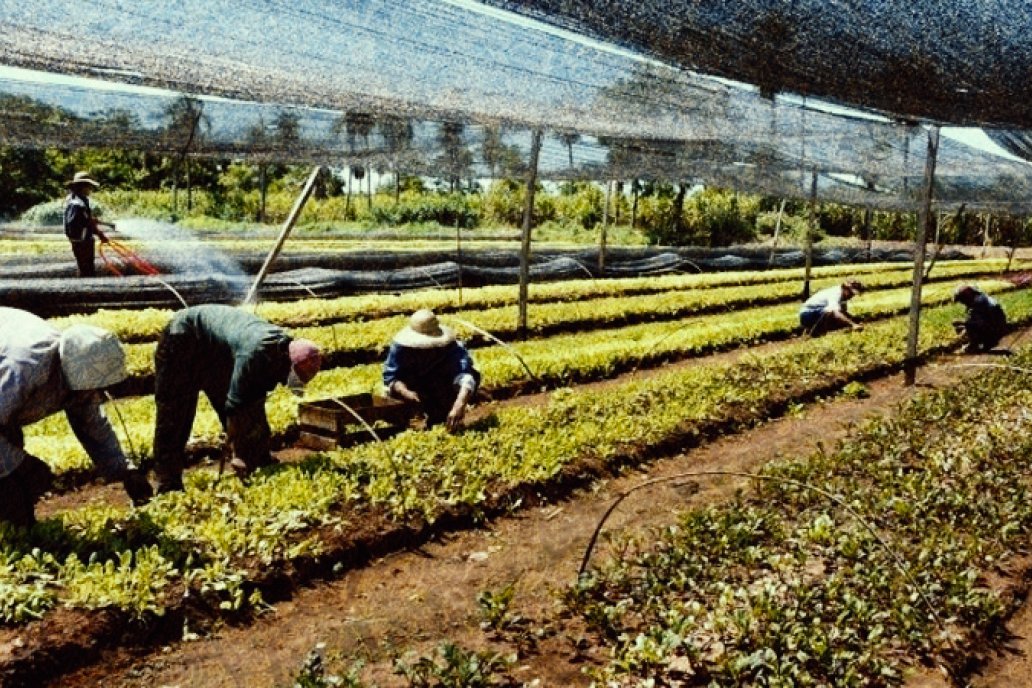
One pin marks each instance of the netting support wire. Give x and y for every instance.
(924, 216)
(528, 217)
(811, 227)
(605, 227)
(458, 252)
(295, 213)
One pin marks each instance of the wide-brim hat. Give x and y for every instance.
(91, 357)
(82, 178)
(424, 331)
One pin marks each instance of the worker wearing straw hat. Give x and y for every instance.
(427, 365)
(827, 309)
(236, 359)
(43, 371)
(79, 224)
(985, 324)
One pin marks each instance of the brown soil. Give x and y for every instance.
(412, 600)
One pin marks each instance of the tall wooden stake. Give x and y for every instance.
(924, 216)
(528, 214)
(810, 225)
(295, 213)
(605, 227)
(777, 230)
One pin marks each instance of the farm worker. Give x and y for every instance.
(985, 323)
(79, 224)
(236, 359)
(43, 371)
(427, 365)
(826, 310)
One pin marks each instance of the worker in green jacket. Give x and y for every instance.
(236, 359)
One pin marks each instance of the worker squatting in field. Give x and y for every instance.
(427, 365)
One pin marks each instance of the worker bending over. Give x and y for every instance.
(827, 309)
(236, 359)
(43, 371)
(427, 365)
(986, 323)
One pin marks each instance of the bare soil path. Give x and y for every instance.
(413, 600)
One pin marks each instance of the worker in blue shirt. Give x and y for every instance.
(427, 365)
(985, 324)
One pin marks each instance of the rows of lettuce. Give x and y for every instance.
(357, 342)
(784, 586)
(554, 362)
(220, 534)
(146, 324)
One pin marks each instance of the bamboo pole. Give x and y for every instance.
(777, 230)
(528, 213)
(811, 223)
(924, 216)
(295, 212)
(605, 227)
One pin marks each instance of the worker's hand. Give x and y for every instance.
(136, 486)
(455, 417)
(857, 327)
(408, 394)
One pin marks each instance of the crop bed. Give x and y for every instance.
(555, 361)
(215, 549)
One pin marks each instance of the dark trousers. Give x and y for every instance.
(180, 376)
(22, 488)
(85, 252)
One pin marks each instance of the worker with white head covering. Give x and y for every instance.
(236, 359)
(427, 365)
(43, 371)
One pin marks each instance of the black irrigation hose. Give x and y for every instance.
(785, 481)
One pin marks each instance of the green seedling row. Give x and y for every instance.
(554, 361)
(221, 534)
(146, 324)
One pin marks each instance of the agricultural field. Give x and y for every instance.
(858, 564)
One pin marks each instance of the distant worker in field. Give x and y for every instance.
(79, 224)
(986, 323)
(827, 309)
(43, 371)
(427, 365)
(236, 359)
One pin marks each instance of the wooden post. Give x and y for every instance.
(605, 227)
(458, 253)
(528, 214)
(924, 216)
(295, 212)
(985, 235)
(811, 223)
(777, 230)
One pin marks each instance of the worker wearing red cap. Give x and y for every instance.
(985, 324)
(236, 359)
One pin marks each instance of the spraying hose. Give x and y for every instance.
(128, 257)
(499, 341)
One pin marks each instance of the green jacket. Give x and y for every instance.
(234, 349)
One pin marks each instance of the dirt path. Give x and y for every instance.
(414, 600)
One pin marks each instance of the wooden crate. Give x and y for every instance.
(326, 423)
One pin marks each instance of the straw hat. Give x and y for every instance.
(91, 357)
(424, 332)
(82, 178)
